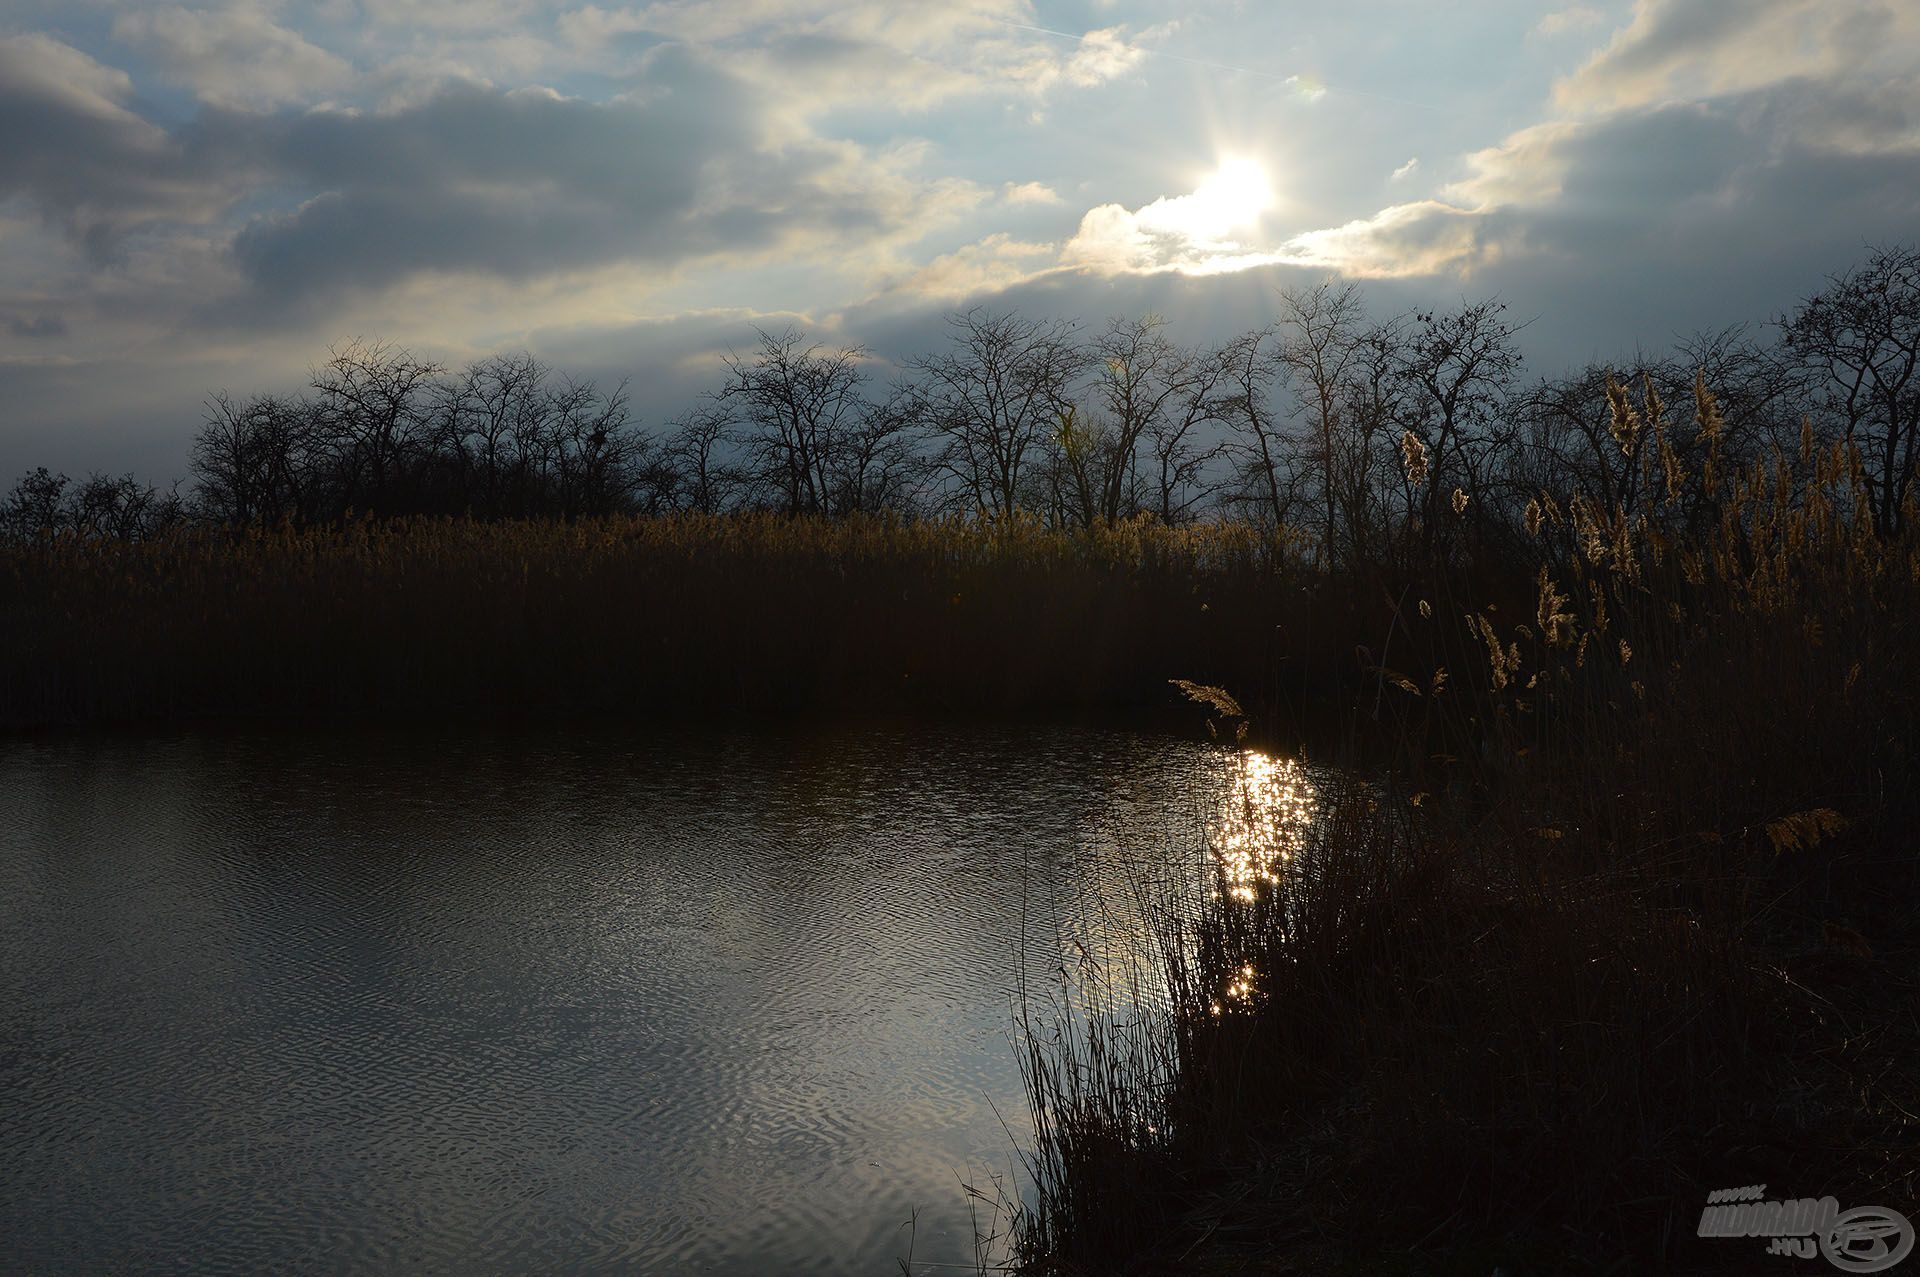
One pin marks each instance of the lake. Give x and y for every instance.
(480, 1000)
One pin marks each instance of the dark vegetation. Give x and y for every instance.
(690, 614)
(1631, 918)
(1625, 913)
(1033, 517)
(1298, 429)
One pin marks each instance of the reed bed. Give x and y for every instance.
(628, 615)
(1633, 915)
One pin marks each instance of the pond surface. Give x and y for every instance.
(489, 1001)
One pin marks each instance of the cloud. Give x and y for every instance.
(823, 54)
(1560, 22)
(415, 164)
(1405, 171)
(1030, 193)
(234, 56)
(524, 183)
(1526, 167)
(40, 327)
(913, 25)
(1695, 125)
(465, 15)
(1191, 233)
(1681, 49)
(72, 148)
(1308, 88)
(1423, 238)
(689, 164)
(1104, 54)
(996, 262)
(816, 72)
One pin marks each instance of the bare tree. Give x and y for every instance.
(1365, 466)
(372, 399)
(1181, 454)
(1251, 366)
(122, 509)
(1082, 453)
(44, 504)
(796, 407)
(1567, 443)
(873, 464)
(485, 416)
(253, 461)
(596, 457)
(706, 482)
(1153, 389)
(37, 505)
(1759, 389)
(1860, 340)
(1320, 332)
(995, 398)
(1456, 369)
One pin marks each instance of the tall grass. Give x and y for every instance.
(1631, 917)
(629, 615)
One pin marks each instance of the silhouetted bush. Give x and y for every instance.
(1633, 915)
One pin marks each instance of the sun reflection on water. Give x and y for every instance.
(1240, 821)
(1262, 821)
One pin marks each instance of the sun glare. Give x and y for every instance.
(1230, 198)
(1237, 192)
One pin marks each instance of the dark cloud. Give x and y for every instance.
(40, 326)
(516, 185)
(1675, 48)
(1659, 221)
(504, 184)
(235, 55)
(473, 180)
(1716, 197)
(71, 148)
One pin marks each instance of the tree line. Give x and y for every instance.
(1361, 439)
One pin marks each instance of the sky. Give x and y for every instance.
(206, 196)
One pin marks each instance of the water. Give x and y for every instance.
(471, 1001)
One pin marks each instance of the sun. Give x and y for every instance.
(1236, 193)
(1229, 199)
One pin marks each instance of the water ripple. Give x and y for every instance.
(498, 1002)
